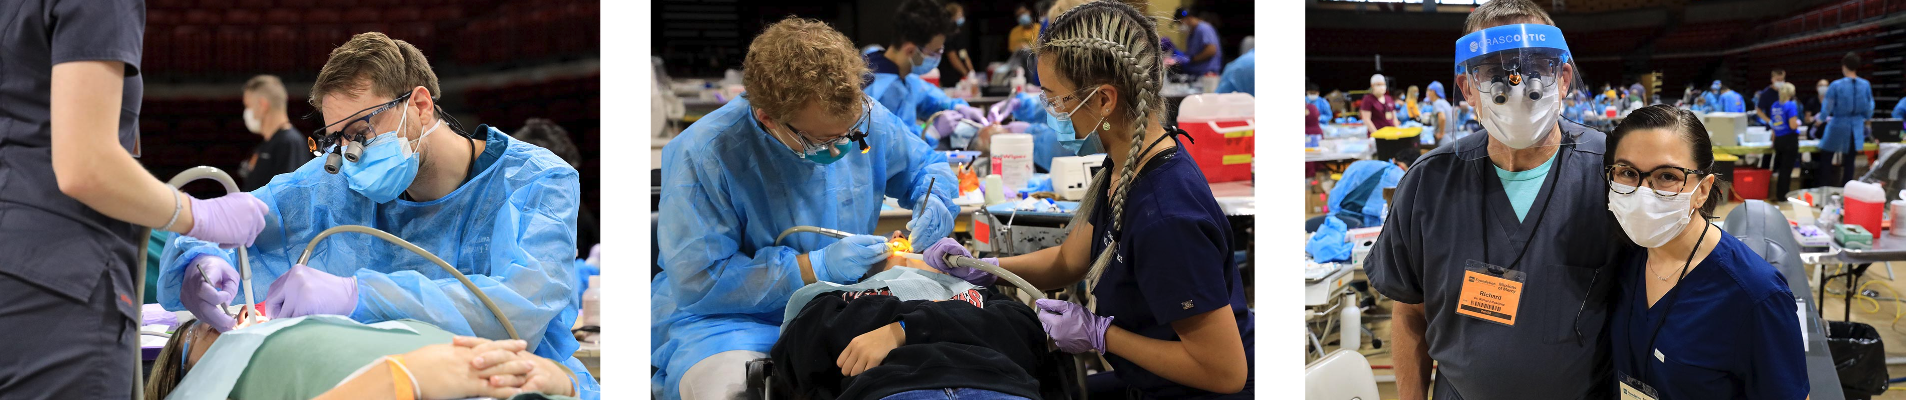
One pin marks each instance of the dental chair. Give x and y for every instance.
(1765, 230)
(1342, 375)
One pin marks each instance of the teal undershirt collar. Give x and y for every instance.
(1523, 186)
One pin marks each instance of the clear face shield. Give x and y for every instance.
(1516, 76)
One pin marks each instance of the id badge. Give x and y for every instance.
(1634, 389)
(1490, 293)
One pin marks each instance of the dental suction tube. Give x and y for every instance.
(400, 242)
(244, 259)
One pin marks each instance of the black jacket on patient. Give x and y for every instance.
(950, 344)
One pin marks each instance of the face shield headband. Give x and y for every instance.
(1498, 60)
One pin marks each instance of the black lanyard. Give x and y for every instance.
(1665, 311)
(1483, 212)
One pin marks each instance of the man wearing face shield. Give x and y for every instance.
(503, 212)
(1529, 203)
(804, 147)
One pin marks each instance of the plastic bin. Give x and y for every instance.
(1751, 183)
(1222, 129)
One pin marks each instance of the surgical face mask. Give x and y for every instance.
(1379, 90)
(959, 22)
(251, 121)
(926, 64)
(1518, 121)
(1821, 89)
(1062, 122)
(1649, 219)
(389, 163)
(1310, 97)
(1025, 19)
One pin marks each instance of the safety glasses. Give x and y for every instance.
(1497, 72)
(352, 129)
(1052, 105)
(856, 133)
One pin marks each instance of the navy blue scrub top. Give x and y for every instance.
(1450, 208)
(1178, 245)
(1733, 331)
(46, 238)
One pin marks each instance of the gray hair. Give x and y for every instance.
(1109, 43)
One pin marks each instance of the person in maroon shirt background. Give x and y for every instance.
(1378, 111)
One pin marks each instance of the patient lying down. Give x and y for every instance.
(331, 357)
(909, 328)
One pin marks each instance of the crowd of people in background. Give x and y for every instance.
(1836, 116)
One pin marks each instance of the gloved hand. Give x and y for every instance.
(936, 257)
(1071, 327)
(944, 124)
(595, 255)
(932, 220)
(846, 260)
(973, 114)
(307, 291)
(231, 220)
(204, 300)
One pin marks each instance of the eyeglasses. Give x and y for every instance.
(1514, 72)
(1052, 105)
(354, 129)
(857, 133)
(1665, 181)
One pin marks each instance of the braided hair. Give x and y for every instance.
(1109, 43)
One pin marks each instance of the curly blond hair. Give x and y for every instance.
(798, 61)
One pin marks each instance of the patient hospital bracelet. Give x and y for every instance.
(177, 205)
(403, 381)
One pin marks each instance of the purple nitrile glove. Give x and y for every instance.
(595, 255)
(307, 291)
(231, 220)
(1071, 327)
(935, 256)
(973, 114)
(206, 301)
(154, 314)
(944, 124)
(999, 111)
(1019, 127)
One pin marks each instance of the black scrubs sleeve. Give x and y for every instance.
(99, 30)
(1392, 263)
(1197, 283)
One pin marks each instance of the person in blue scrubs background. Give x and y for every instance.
(804, 147)
(1324, 115)
(921, 27)
(1165, 301)
(502, 211)
(1847, 104)
(1201, 43)
(1699, 315)
(1240, 75)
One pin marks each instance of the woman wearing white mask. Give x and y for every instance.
(1698, 314)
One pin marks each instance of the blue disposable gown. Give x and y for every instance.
(907, 96)
(1731, 102)
(1240, 75)
(1324, 114)
(728, 189)
(1899, 110)
(511, 229)
(1373, 207)
(1850, 102)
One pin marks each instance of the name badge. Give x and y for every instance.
(1634, 389)
(1490, 293)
